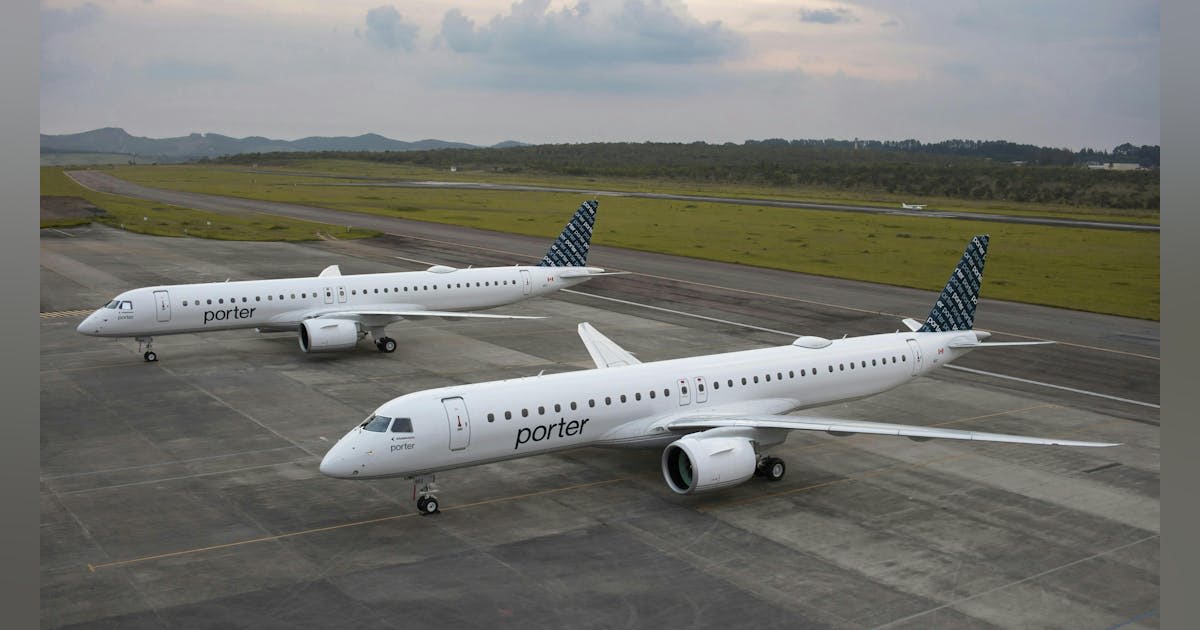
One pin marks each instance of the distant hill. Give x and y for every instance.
(114, 140)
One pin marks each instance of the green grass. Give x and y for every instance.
(1100, 271)
(150, 217)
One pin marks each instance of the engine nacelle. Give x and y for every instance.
(328, 335)
(698, 464)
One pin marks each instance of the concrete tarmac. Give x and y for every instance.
(185, 493)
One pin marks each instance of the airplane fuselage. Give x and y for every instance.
(281, 304)
(627, 406)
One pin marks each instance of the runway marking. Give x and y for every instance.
(167, 463)
(1018, 582)
(794, 335)
(181, 477)
(776, 296)
(1062, 387)
(79, 312)
(104, 565)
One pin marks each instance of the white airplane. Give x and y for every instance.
(715, 415)
(331, 312)
(913, 206)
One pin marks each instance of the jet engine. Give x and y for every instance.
(328, 335)
(698, 464)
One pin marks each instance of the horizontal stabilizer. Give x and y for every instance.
(840, 427)
(590, 272)
(957, 343)
(604, 351)
(912, 324)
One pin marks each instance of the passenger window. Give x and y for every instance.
(700, 387)
(243, 300)
(831, 369)
(220, 300)
(608, 400)
(402, 425)
(872, 362)
(683, 390)
(208, 301)
(666, 392)
(508, 415)
(258, 298)
(574, 406)
(729, 383)
(622, 397)
(653, 393)
(591, 402)
(378, 424)
(864, 364)
(743, 380)
(903, 357)
(637, 395)
(768, 377)
(841, 367)
(491, 417)
(185, 302)
(851, 365)
(779, 376)
(557, 407)
(791, 374)
(716, 384)
(541, 410)
(524, 413)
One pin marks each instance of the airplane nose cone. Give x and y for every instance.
(336, 466)
(87, 326)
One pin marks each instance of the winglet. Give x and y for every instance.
(604, 351)
(955, 307)
(330, 271)
(570, 249)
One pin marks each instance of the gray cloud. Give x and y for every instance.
(828, 16)
(592, 33)
(178, 70)
(387, 30)
(57, 21)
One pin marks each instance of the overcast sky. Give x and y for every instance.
(1064, 73)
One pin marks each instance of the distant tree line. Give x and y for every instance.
(966, 169)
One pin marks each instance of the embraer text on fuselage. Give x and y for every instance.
(547, 431)
(229, 313)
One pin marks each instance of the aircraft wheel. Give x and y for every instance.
(386, 344)
(427, 505)
(773, 468)
(150, 356)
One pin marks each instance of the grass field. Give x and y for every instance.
(149, 217)
(1101, 271)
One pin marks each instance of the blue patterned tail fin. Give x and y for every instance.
(955, 307)
(570, 249)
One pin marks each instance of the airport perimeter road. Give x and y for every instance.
(186, 491)
(107, 183)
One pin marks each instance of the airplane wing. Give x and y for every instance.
(604, 351)
(417, 313)
(837, 426)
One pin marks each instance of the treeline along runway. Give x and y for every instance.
(188, 489)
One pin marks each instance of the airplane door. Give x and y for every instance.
(526, 282)
(685, 397)
(701, 390)
(916, 354)
(341, 294)
(329, 295)
(459, 421)
(162, 303)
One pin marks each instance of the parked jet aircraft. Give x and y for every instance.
(331, 312)
(715, 415)
(913, 206)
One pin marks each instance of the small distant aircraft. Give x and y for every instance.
(332, 312)
(715, 415)
(913, 206)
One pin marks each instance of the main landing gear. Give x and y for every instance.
(423, 489)
(149, 355)
(771, 468)
(386, 344)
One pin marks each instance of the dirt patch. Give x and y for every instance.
(68, 208)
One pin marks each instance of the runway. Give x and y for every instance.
(186, 492)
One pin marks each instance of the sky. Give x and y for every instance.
(1060, 73)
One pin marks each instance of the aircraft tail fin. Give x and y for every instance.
(955, 307)
(570, 249)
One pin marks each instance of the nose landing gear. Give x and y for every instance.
(149, 355)
(423, 489)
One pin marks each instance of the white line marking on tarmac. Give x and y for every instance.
(793, 335)
(1062, 387)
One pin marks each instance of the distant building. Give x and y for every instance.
(1115, 166)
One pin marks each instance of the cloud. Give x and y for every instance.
(828, 16)
(57, 21)
(387, 30)
(592, 33)
(183, 71)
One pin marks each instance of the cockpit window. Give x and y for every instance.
(112, 304)
(402, 425)
(126, 305)
(378, 424)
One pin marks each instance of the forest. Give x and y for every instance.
(963, 169)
